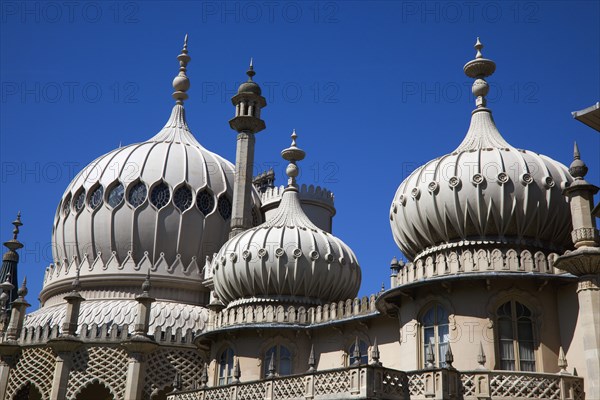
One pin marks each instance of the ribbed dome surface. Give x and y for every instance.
(286, 258)
(168, 197)
(485, 190)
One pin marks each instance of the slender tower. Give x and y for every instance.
(248, 103)
(10, 259)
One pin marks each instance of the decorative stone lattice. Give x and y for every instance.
(163, 364)
(289, 389)
(218, 394)
(394, 383)
(416, 384)
(333, 382)
(252, 391)
(525, 386)
(468, 384)
(105, 365)
(35, 366)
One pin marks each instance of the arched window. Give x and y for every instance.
(435, 335)
(364, 353)
(282, 360)
(226, 367)
(28, 392)
(515, 331)
(95, 391)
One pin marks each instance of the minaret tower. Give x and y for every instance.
(10, 259)
(248, 103)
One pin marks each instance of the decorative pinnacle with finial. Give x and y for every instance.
(479, 69)
(14, 243)
(146, 285)
(76, 285)
(293, 154)
(181, 83)
(22, 292)
(250, 71)
(577, 169)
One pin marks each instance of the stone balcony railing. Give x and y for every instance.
(450, 261)
(248, 314)
(378, 383)
(359, 382)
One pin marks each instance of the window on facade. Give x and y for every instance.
(226, 367)
(282, 360)
(364, 353)
(515, 332)
(435, 334)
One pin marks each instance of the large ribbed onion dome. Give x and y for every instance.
(287, 258)
(166, 201)
(484, 191)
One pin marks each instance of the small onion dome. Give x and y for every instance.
(287, 258)
(250, 86)
(485, 190)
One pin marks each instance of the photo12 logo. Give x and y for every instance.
(69, 12)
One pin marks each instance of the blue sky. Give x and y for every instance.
(374, 89)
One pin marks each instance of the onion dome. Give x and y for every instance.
(485, 190)
(163, 204)
(286, 259)
(250, 86)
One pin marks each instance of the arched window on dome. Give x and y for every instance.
(225, 367)
(515, 333)
(137, 194)
(116, 195)
(96, 197)
(435, 335)
(364, 353)
(67, 205)
(205, 202)
(282, 360)
(183, 198)
(224, 206)
(79, 200)
(160, 195)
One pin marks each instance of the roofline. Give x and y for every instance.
(589, 116)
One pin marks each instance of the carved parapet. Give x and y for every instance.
(165, 274)
(246, 314)
(485, 259)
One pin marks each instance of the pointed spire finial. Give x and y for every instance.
(481, 357)
(311, 359)
(577, 169)
(237, 373)
(204, 376)
(250, 71)
(430, 357)
(356, 352)
(375, 354)
(181, 83)
(479, 69)
(76, 285)
(449, 358)
(562, 361)
(23, 289)
(478, 46)
(292, 154)
(271, 368)
(146, 285)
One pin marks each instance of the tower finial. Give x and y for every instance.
(250, 71)
(577, 169)
(479, 69)
(292, 154)
(181, 83)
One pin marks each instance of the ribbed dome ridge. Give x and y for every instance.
(290, 213)
(176, 129)
(482, 133)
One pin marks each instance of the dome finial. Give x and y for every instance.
(479, 69)
(250, 71)
(577, 169)
(181, 83)
(292, 154)
(17, 223)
